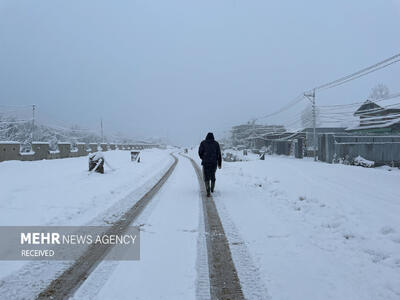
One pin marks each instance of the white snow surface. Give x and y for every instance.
(63, 192)
(168, 238)
(297, 229)
(315, 230)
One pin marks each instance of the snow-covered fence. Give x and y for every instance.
(40, 150)
(379, 149)
(64, 149)
(81, 149)
(93, 147)
(9, 151)
(104, 147)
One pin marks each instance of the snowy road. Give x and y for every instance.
(167, 267)
(315, 230)
(186, 254)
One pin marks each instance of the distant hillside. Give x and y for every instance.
(14, 130)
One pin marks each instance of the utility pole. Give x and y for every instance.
(311, 97)
(254, 134)
(102, 133)
(33, 122)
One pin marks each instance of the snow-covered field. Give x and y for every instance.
(315, 230)
(63, 192)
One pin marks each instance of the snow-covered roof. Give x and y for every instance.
(378, 105)
(380, 125)
(368, 105)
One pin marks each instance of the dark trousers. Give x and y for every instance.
(209, 173)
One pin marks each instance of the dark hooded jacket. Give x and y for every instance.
(210, 152)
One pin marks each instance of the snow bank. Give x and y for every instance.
(60, 192)
(316, 231)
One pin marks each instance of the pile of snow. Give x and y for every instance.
(96, 155)
(237, 155)
(361, 161)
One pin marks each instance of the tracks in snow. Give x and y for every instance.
(63, 286)
(224, 280)
(223, 276)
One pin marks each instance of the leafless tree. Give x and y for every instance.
(379, 91)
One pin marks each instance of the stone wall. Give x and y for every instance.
(10, 151)
(40, 150)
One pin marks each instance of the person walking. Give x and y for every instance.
(210, 154)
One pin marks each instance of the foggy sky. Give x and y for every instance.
(179, 69)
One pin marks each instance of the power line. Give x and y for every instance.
(361, 75)
(363, 72)
(296, 100)
(391, 96)
(375, 67)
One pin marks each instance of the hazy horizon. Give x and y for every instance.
(178, 69)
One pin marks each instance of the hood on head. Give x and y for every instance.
(210, 136)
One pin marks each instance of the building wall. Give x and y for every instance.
(380, 149)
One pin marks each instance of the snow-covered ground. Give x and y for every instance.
(63, 192)
(298, 229)
(167, 266)
(315, 230)
(239, 154)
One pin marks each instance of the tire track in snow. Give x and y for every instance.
(224, 280)
(203, 275)
(67, 283)
(252, 284)
(97, 279)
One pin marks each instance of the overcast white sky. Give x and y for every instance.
(183, 68)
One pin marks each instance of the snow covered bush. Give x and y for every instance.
(361, 161)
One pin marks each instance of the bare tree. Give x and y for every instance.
(379, 91)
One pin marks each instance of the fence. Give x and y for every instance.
(383, 150)
(40, 150)
(285, 147)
